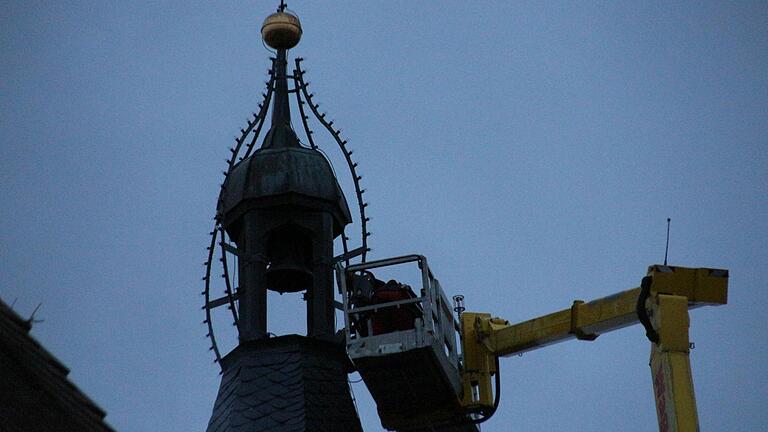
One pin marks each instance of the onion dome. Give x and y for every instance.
(282, 173)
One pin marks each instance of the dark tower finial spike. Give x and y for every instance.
(281, 110)
(281, 31)
(281, 134)
(666, 248)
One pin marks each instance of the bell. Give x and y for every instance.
(289, 269)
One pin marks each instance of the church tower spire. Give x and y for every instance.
(279, 211)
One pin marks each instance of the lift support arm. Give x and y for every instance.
(661, 304)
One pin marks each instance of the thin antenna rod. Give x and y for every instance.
(31, 320)
(666, 249)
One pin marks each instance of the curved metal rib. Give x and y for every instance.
(262, 112)
(257, 122)
(228, 285)
(308, 132)
(304, 117)
(299, 77)
(254, 126)
(207, 294)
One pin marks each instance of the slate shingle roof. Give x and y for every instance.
(35, 394)
(285, 384)
(460, 426)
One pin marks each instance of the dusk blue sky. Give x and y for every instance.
(531, 150)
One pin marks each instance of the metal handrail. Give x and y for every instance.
(378, 306)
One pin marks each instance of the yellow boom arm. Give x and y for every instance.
(661, 304)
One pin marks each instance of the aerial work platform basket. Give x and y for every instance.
(403, 344)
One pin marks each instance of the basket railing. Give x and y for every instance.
(437, 319)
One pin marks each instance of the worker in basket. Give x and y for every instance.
(370, 291)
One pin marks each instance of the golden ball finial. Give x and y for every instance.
(281, 30)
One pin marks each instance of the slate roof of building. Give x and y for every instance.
(35, 393)
(285, 384)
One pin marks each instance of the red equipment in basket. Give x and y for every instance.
(394, 318)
